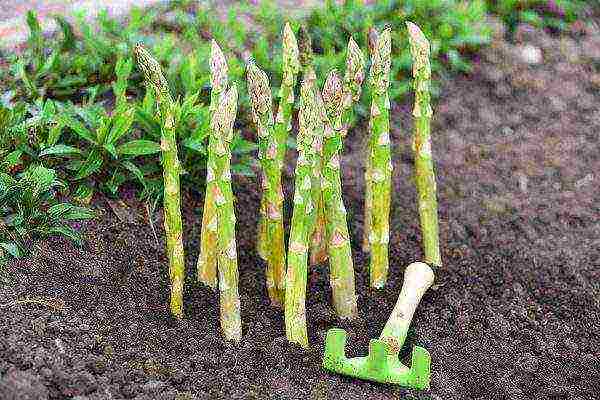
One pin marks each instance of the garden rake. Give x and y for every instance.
(382, 364)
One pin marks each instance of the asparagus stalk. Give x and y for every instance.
(353, 80)
(379, 170)
(262, 114)
(303, 216)
(283, 125)
(318, 245)
(424, 173)
(171, 170)
(207, 261)
(222, 128)
(340, 252)
(373, 37)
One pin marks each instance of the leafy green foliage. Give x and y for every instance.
(78, 105)
(29, 210)
(553, 14)
(28, 132)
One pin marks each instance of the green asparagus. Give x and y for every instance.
(340, 252)
(283, 125)
(207, 261)
(424, 172)
(171, 171)
(379, 169)
(222, 128)
(303, 217)
(318, 240)
(262, 115)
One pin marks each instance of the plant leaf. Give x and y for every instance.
(11, 248)
(92, 164)
(59, 149)
(121, 124)
(138, 148)
(66, 231)
(77, 127)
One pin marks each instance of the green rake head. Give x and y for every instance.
(379, 365)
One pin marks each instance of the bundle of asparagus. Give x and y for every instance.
(378, 174)
(273, 136)
(171, 170)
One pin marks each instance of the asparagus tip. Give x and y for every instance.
(218, 67)
(333, 91)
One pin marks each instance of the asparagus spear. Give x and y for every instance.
(262, 114)
(366, 246)
(340, 252)
(207, 261)
(283, 125)
(353, 79)
(171, 170)
(318, 246)
(222, 129)
(379, 170)
(303, 216)
(424, 173)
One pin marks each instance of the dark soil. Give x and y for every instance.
(515, 313)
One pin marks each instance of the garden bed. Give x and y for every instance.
(514, 313)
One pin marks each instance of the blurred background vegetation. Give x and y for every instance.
(74, 105)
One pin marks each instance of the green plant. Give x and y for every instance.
(222, 124)
(303, 217)
(270, 243)
(339, 249)
(169, 112)
(555, 15)
(218, 221)
(378, 172)
(105, 151)
(456, 29)
(208, 258)
(71, 63)
(29, 210)
(30, 133)
(272, 203)
(424, 173)
(317, 237)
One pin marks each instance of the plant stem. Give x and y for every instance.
(302, 217)
(283, 125)
(379, 171)
(262, 115)
(318, 239)
(368, 208)
(340, 253)
(207, 260)
(171, 171)
(353, 80)
(222, 126)
(221, 132)
(424, 172)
